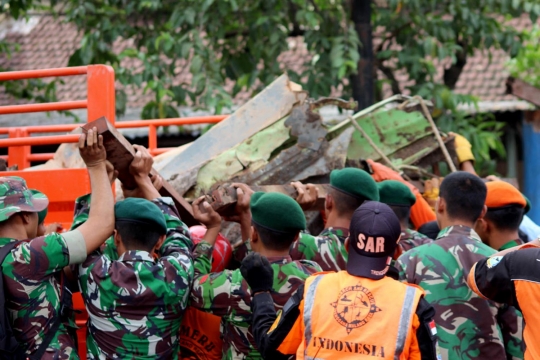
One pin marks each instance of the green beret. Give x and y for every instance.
(355, 182)
(140, 211)
(277, 212)
(394, 192)
(43, 213)
(528, 206)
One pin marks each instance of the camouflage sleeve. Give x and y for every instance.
(176, 249)
(299, 247)
(214, 293)
(178, 237)
(326, 251)
(202, 257)
(40, 257)
(82, 209)
(406, 266)
(80, 216)
(510, 321)
(109, 249)
(241, 251)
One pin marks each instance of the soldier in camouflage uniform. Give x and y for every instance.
(136, 288)
(468, 326)
(33, 269)
(277, 220)
(400, 199)
(349, 189)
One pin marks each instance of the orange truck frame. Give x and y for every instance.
(63, 186)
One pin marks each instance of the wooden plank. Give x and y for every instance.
(523, 90)
(270, 105)
(120, 153)
(223, 199)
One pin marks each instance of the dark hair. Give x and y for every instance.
(506, 218)
(345, 204)
(402, 212)
(464, 194)
(430, 229)
(275, 240)
(138, 236)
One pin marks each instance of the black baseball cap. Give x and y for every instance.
(374, 233)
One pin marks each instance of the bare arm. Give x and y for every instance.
(243, 193)
(100, 224)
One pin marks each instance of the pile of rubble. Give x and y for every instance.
(279, 136)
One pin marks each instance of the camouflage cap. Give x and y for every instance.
(43, 213)
(15, 197)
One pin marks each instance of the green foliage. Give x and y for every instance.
(35, 90)
(215, 41)
(525, 65)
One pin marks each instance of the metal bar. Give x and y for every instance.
(39, 140)
(29, 108)
(152, 138)
(33, 74)
(52, 128)
(124, 124)
(40, 157)
(18, 155)
(100, 93)
(168, 122)
(444, 150)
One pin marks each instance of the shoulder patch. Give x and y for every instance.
(493, 261)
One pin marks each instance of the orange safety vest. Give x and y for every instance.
(348, 317)
(200, 337)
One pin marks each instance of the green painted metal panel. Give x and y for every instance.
(391, 130)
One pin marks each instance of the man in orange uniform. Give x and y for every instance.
(359, 313)
(499, 227)
(512, 276)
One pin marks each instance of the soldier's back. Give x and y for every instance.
(33, 294)
(238, 339)
(466, 323)
(327, 249)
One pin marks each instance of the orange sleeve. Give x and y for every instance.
(471, 281)
(421, 212)
(295, 336)
(414, 348)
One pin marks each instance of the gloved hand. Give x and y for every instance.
(463, 148)
(257, 272)
(431, 191)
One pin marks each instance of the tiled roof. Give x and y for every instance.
(50, 43)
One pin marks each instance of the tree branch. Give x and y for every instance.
(452, 74)
(389, 73)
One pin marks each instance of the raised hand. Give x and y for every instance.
(91, 148)
(307, 195)
(257, 272)
(205, 214)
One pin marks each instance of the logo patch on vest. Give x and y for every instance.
(493, 261)
(354, 308)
